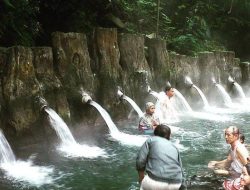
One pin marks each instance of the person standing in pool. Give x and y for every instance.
(160, 160)
(165, 106)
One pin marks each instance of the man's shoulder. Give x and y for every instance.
(159, 139)
(241, 149)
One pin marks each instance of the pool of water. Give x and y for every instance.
(199, 140)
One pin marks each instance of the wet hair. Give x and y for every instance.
(234, 129)
(242, 137)
(149, 105)
(248, 168)
(168, 86)
(162, 130)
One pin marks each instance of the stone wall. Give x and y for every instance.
(98, 65)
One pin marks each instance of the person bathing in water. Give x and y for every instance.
(148, 121)
(165, 105)
(237, 158)
(245, 178)
(169, 91)
(240, 183)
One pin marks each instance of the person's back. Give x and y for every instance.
(163, 160)
(160, 159)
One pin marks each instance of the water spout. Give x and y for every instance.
(168, 85)
(86, 97)
(214, 81)
(189, 82)
(41, 103)
(231, 80)
(237, 87)
(120, 93)
(149, 89)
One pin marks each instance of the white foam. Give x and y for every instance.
(127, 139)
(25, 171)
(78, 150)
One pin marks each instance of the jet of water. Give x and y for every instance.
(134, 105)
(155, 94)
(121, 95)
(239, 90)
(22, 171)
(127, 139)
(185, 105)
(237, 87)
(226, 98)
(6, 152)
(188, 81)
(69, 145)
(60, 127)
(203, 97)
(112, 127)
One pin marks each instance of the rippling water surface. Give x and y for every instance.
(199, 140)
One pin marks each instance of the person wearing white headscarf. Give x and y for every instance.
(148, 121)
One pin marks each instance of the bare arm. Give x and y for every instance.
(141, 175)
(220, 164)
(242, 154)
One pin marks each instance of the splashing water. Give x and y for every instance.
(164, 109)
(123, 138)
(69, 146)
(239, 90)
(78, 150)
(60, 127)
(210, 116)
(22, 171)
(155, 94)
(185, 105)
(203, 97)
(112, 127)
(25, 171)
(178, 144)
(130, 140)
(225, 96)
(187, 110)
(6, 152)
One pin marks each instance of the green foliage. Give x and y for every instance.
(18, 24)
(188, 26)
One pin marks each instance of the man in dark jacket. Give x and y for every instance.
(161, 161)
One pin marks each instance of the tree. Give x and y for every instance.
(18, 24)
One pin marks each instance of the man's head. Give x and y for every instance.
(245, 178)
(169, 91)
(150, 108)
(162, 131)
(232, 134)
